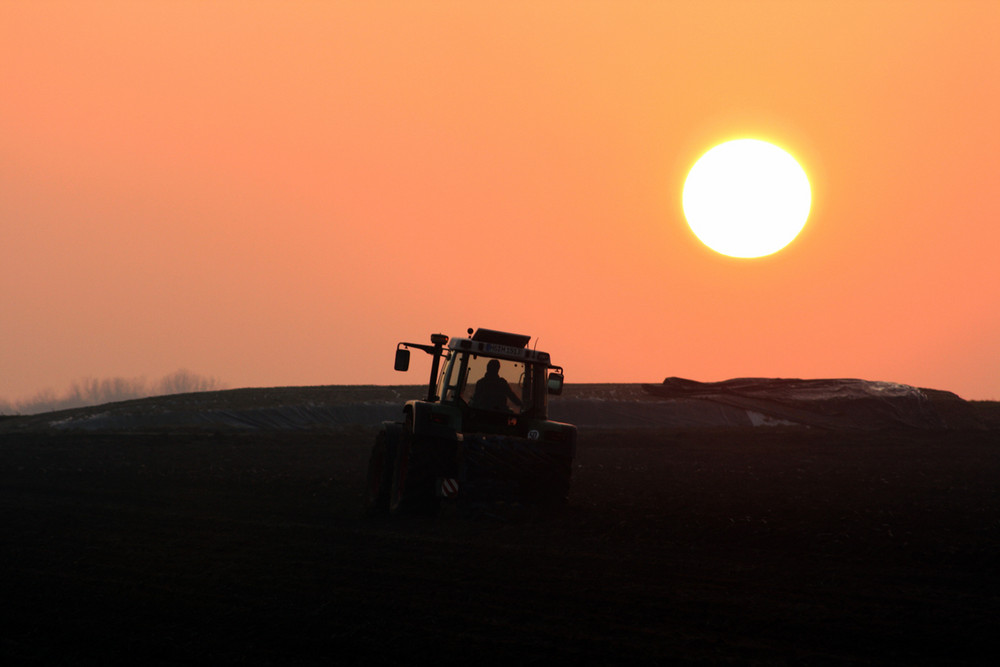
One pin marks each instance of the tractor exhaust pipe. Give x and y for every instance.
(439, 341)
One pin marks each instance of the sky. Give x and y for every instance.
(276, 193)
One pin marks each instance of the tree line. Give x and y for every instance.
(93, 391)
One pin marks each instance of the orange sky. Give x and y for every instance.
(275, 193)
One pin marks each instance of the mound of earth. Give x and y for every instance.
(831, 404)
(825, 403)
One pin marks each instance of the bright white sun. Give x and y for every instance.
(746, 198)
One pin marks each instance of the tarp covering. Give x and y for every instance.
(646, 412)
(277, 418)
(834, 403)
(677, 403)
(272, 408)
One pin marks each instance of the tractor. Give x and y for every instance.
(482, 434)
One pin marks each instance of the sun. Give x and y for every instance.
(746, 198)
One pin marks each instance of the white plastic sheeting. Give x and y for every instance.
(833, 403)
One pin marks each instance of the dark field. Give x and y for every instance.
(738, 546)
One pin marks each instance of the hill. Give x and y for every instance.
(831, 404)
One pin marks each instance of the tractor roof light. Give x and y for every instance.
(501, 338)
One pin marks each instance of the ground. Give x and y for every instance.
(761, 546)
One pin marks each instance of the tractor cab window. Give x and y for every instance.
(494, 384)
(487, 383)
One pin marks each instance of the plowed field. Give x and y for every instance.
(743, 546)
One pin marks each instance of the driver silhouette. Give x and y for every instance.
(493, 391)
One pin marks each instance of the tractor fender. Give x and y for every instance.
(434, 420)
(380, 467)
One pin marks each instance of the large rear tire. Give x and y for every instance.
(412, 479)
(380, 470)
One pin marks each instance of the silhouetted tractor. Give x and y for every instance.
(482, 434)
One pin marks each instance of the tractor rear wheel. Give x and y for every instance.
(412, 479)
(380, 471)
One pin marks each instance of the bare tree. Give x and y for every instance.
(184, 381)
(92, 391)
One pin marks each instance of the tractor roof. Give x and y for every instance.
(501, 337)
(490, 343)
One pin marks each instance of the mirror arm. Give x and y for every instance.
(429, 349)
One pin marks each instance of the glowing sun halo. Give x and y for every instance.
(746, 198)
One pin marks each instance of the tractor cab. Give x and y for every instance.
(495, 372)
(482, 434)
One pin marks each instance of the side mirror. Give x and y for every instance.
(555, 383)
(402, 359)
